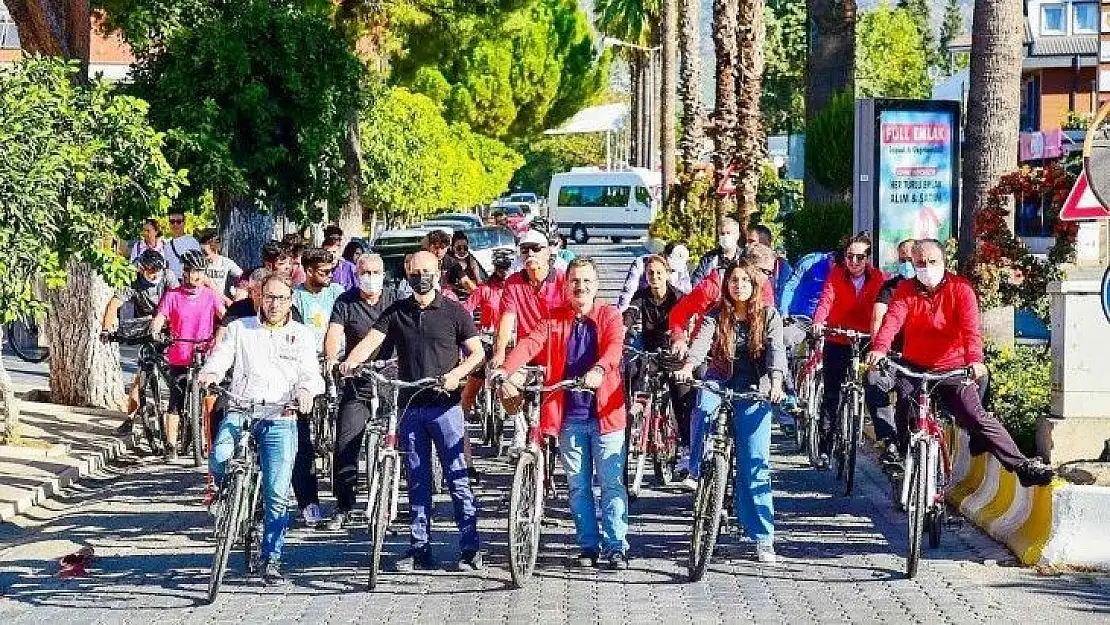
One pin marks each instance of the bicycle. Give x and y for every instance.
(24, 337)
(491, 412)
(809, 384)
(238, 504)
(716, 480)
(194, 417)
(532, 477)
(152, 374)
(385, 480)
(325, 413)
(927, 469)
(848, 432)
(652, 429)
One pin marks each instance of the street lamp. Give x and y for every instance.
(648, 132)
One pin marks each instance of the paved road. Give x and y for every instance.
(839, 562)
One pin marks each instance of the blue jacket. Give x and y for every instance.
(802, 291)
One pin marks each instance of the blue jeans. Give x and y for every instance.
(751, 435)
(277, 447)
(420, 426)
(585, 450)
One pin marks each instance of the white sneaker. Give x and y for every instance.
(689, 484)
(765, 552)
(312, 515)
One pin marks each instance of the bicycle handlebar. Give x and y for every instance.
(421, 383)
(846, 333)
(245, 402)
(727, 393)
(927, 376)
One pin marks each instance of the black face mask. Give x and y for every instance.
(422, 283)
(143, 283)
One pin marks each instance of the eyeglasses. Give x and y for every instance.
(324, 271)
(767, 272)
(530, 248)
(277, 299)
(859, 258)
(177, 221)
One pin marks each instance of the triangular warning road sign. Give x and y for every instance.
(1082, 203)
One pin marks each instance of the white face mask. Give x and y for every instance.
(371, 283)
(728, 241)
(906, 269)
(930, 276)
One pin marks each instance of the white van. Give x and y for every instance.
(594, 201)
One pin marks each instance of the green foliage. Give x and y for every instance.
(147, 24)
(918, 11)
(505, 74)
(689, 214)
(890, 62)
(255, 100)
(817, 228)
(1074, 120)
(783, 100)
(80, 166)
(548, 156)
(830, 143)
(417, 164)
(1021, 391)
(950, 28)
(628, 20)
(775, 195)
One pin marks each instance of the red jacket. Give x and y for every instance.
(940, 330)
(842, 307)
(547, 345)
(487, 299)
(695, 304)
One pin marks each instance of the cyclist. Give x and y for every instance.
(272, 360)
(345, 273)
(742, 341)
(677, 256)
(222, 272)
(938, 316)
(427, 330)
(251, 304)
(847, 302)
(762, 235)
(151, 281)
(879, 382)
(728, 250)
(191, 311)
(654, 303)
(180, 243)
(584, 338)
(486, 300)
(314, 299)
(352, 317)
(467, 273)
(277, 258)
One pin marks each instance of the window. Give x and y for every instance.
(643, 196)
(9, 34)
(1085, 18)
(1054, 19)
(594, 196)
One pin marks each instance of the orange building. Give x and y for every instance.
(108, 54)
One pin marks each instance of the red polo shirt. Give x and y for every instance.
(532, 304)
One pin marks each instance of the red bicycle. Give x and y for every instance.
(652, 429)
(809, 381)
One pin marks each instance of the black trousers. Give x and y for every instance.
(305, 487)
(349, 430)
(837, 360)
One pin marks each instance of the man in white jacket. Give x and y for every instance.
(273, 363)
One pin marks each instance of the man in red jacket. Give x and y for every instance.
(584, 338)
(847, 302)
(938, 316)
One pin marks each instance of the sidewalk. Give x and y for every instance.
(62, 444)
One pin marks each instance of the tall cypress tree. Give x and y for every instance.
(919, 10)
(950, 28)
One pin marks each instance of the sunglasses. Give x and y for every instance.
(177, 221)
(859, 258)
(530, 248)
(767, 272)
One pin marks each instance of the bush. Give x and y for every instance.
(817, 228)
(1020, 391)
(830, 144)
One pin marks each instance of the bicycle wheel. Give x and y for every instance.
(665, 454)
(227, 530)
(371, 440)
(855, 433)
(813, 421)
(709, 500)
(23, 336)
(916, 505)
(637, 449)
(525, 516)
(379, 520)
(150, 413)
(253, 525)
(193, 408)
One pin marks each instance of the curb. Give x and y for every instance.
(93, 461)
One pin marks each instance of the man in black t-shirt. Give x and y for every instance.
(427, 331)
(352, 318)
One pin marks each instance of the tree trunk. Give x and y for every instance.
(244, 230)
(690, 40)
(750, 140)
(83, 371)
(9, 404)
(993, 108)
(724, 115)
(350, 213)
(829, 65)
(668, 140)
(635, 112)
(54, 28)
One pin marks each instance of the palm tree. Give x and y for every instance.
(725, 16)
(634, 22)
(830, 63)
(750, 139)
(690, 43)
(668, 40)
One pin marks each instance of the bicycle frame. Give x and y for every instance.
(928, 427)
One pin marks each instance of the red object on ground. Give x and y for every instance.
(76, 564)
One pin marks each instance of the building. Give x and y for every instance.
(109, 56)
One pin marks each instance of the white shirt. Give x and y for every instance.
(220, 270)
(174, 248)
(270, 363)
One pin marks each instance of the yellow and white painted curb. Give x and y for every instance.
(1059, 524)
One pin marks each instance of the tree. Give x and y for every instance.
(833, 130)
(633, 22)
(255, 101)
(548, 156)
(668, 38)
(950, 28)
(830, 63)
(689, 33)
(889, 62)
(82, 166)
(993, 108)
(784, 66)
(918, 11)
(750, 138)
(725, 25)
(58, 28)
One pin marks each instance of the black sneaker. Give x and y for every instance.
(890, 456)
(618, 561)
(470, 560)
(338, 520)
(587, 559)
(271, 574)
(414, 559)
(126, 427)
(1034, 473)
(474, 476)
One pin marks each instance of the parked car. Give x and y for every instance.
(394, 245)
(591, 201)
(457, 221)
(519, 216)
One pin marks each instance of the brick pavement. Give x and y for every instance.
(839, 562)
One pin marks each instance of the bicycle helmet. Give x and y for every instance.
(152, 260)
(194, 260)
(502, 259)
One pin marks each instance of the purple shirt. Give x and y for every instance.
(345, 274)
(581, 357)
